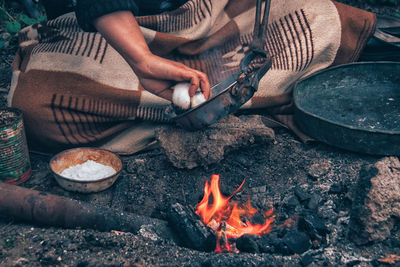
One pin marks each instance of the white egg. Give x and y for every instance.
(197, 99)
(180, 96)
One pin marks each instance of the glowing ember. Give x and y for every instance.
(226, 218)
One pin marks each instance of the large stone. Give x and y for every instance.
(187, 149)
(376, 205)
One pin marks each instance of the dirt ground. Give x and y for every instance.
(149, 184)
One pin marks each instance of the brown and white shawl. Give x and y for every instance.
(75, 89)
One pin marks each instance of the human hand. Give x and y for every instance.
(158, 76)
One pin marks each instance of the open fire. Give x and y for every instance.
(228, 219)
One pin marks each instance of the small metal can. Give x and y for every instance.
(15, 166)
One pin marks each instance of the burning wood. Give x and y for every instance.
(218, 224)
(227, 219)
(191, 230)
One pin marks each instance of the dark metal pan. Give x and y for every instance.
(354, 106)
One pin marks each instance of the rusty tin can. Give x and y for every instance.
(15, 166)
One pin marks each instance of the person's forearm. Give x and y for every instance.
(156, 74)
(122, 31)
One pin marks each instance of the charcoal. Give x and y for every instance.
(313, 225)
(266, 244)
(306, 260)
(281, 231)
(257, 218)
(297, 241)
(343, 203)
(191, 230)
(248, 243)
(313, 202)
(337, 188)
(301, 194)
(314, 258)
(273, 243)
(291, 204)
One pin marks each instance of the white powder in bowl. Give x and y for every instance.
(89, 170)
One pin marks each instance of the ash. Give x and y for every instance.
(311, 187)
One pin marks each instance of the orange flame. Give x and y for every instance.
(222, 213)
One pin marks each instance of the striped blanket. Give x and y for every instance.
(76, 90)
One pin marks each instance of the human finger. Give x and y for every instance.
(204, 85)
(194, 85)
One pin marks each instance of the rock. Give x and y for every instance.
(248, 243)
(188, 150)
(147, 231)
(376, 205)
(21, 262)
(319, 169)
(297, 242)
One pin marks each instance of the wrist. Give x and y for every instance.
(140, 63)
(136, 59)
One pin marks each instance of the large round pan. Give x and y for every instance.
(354, 106)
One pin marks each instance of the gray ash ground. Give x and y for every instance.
(295, 178)
(280, 174)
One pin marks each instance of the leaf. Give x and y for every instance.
(390, 259)
(13, 27)
(25, 19)
(41, 18)
(3, 14)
